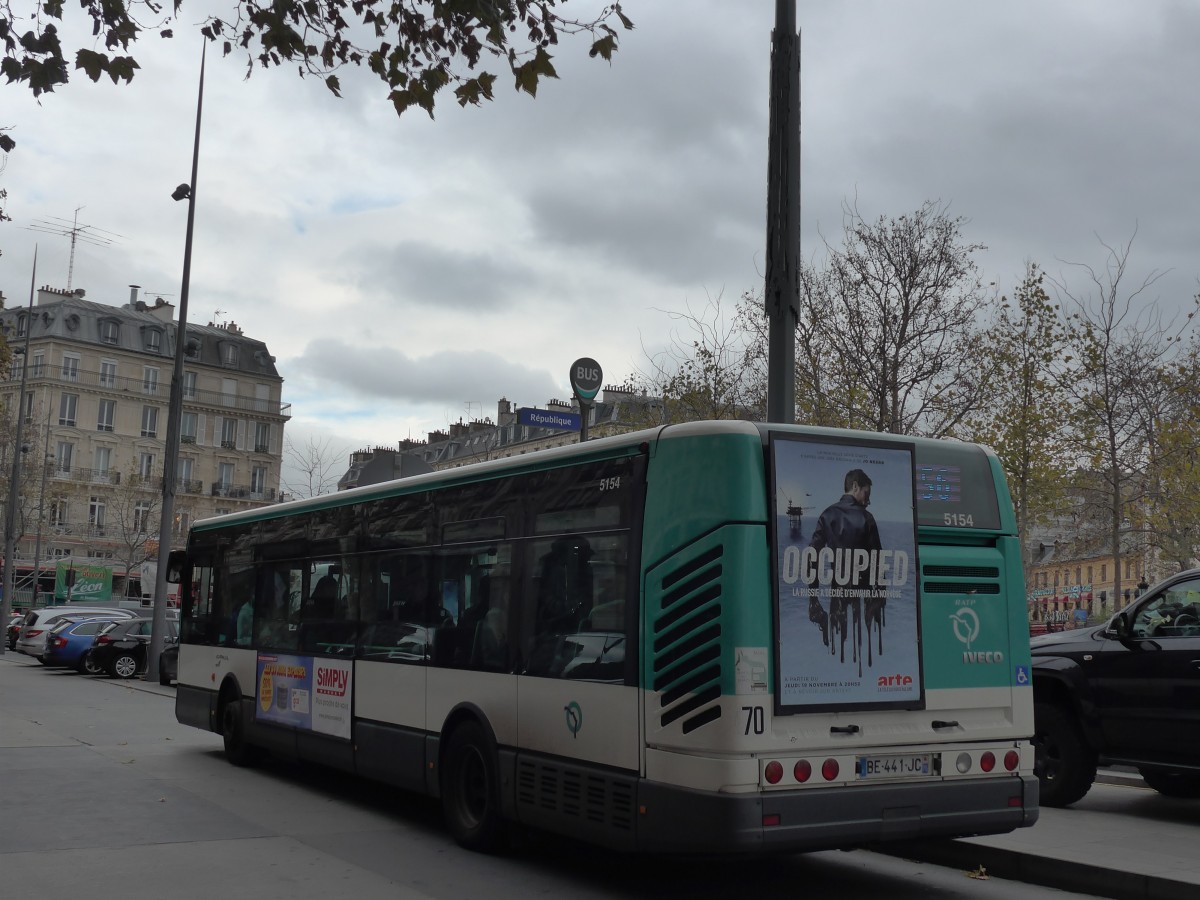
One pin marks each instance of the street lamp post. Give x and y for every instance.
(10, 511)
(175, 407)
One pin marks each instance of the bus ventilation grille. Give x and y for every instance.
(550, 789)
(988, 582)
(687, 643)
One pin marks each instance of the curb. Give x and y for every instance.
(1065, 875)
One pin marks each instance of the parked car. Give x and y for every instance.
(168, 664)
(1123, 693)
(120, 647)
(69, 643)
(13, 631)
(38, 622)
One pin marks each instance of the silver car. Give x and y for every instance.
(38, 623)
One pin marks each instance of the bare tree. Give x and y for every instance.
(133, 520)
(317, 464)
(713, 368)
(1121, 345)
(889, 331)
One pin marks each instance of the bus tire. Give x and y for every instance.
(233, 734)
(1066, 766)
(471, 790)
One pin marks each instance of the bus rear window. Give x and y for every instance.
(955, 487)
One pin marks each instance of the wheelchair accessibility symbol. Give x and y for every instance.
(1022, 675)
(574, 718)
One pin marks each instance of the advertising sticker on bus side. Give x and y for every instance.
(846, 574)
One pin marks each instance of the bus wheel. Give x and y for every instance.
(1066, 766)
(233, 734)
(471, 790)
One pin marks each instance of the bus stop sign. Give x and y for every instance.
(586, 378)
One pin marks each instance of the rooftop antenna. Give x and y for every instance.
(89, 234)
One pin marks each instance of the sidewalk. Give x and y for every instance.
(1122, 840)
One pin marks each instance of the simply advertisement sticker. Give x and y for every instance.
(846, 574)
(309, 693)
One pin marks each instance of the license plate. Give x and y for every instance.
(896, 766)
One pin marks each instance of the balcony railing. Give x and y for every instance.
(94, 476)
(244, 492)
(138, 387)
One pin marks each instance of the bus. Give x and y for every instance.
(712, 637)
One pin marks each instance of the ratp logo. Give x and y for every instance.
(965, 622)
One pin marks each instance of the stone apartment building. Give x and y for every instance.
(97, 388)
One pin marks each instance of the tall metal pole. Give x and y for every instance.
(781, 296)
(174, 410)
(10, 511)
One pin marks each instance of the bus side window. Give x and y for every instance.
(198, 607)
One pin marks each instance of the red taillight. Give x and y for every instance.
(35, 632)
(830, 769)
(987, 762)
(773, 772)
(58, 642)
(1011, 760)
(803, 771)
(104, 639)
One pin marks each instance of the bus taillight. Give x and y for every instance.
(830, 769)
(773, 773)
(1011, 760)
(987, 762)
(802, 771)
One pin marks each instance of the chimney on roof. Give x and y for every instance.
(133, 292)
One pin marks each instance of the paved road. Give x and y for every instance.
(106, 796)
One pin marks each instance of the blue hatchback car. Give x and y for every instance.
(69, 644)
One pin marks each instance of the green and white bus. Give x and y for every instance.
(708, 637)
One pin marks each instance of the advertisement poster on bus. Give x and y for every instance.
(305, 692)
(845, 574)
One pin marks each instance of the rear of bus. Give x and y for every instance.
(819, 673)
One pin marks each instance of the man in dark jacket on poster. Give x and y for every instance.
(846, 525)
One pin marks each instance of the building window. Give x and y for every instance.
(258, 481)
(141, 516)
(183, 521)
(110, 331)
(108, 373)
(149, 421)
(229, 433)
(1104, 572)
(145, 465)
(189, 385)
(262, 397)
(67, 406)
(226, 475)
(262, 437)
(96, 515)
(106, 415)
(184, 472)
(22, 325)
(15, 366)
(59, 512)
(39, 365)
(28, 407)
(229, 354)
(70, 367)
(66, 450)
(1089, 574)
(228, 391)
(187, 428)
(102, 461)
(150, 380)
(153, 339)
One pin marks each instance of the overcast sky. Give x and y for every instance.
(409, 273)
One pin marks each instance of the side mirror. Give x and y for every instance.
(1120, 626)
(176, 560)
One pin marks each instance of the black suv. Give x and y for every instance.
(1125, 693)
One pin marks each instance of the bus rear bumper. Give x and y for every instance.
(674, 819)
